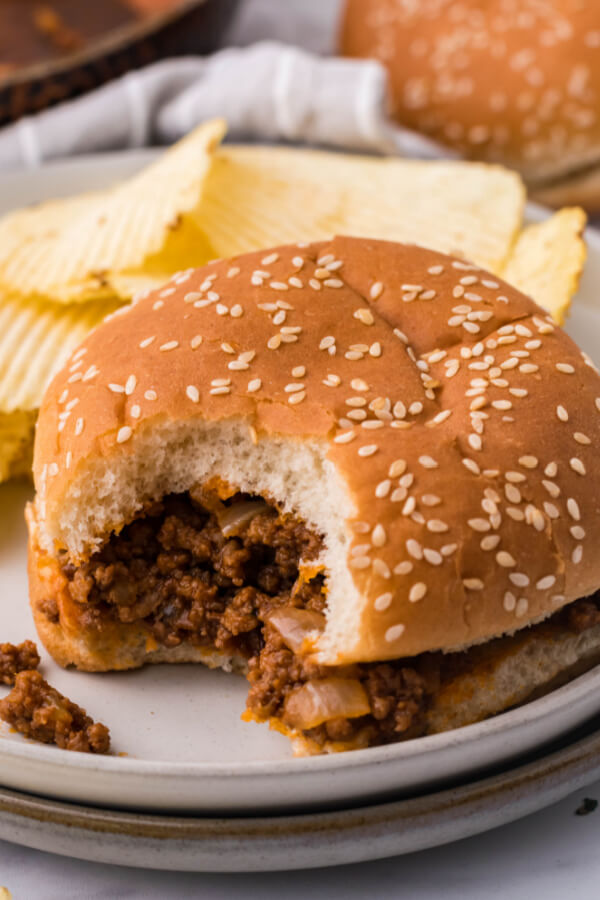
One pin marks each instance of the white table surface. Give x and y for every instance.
(552, 854)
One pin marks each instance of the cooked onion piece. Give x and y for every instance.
(296, 626)
(232, 517)
(330, 698)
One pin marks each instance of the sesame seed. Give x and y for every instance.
(489, 542)
(415, 408)
(158, 304)
(79, 426)
(378, 536)
(383, 602)
(150, 395)
(327, 342)
(135, 411)
(431, 499)
(409, 507)
(577, 532)
(293, 387)
(298, 261)
(271, 258)
(233, 271)
(473, 584)
(577, 554)
(381, 568)
(417, 592)
(414, 548)
(393, 633)
(577, 465)
(299, 371)
(519, 579)
(53, 469)
(332, 380)
(216, 391)
(360, 562)
(513, 494)
(573, 509)
(581, 438)
(365, 316)
(510, 601)
(344, 438)
(479, 524)
(397, 468)
(221, 309)
(528, 462)
(566, 368)
(170, 345)
(433, 557)
(130, 385)
(428, 462)
(354, 355)
(236, 311)
(116, 388)
(274, 342)
(193, 393)
(367, 450)
(505, 559)
(123, 434)
(471, 465)
(146, 342)
(297, 398)
(474, 442)
(376, 290)
(551, 510)
(437, 526)
(522, 606)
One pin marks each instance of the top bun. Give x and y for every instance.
(510, 82)
(429, 420)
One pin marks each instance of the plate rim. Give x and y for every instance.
(311, 839)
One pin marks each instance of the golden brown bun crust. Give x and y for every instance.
(517, 83)
(476, 491)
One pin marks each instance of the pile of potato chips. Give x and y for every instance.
(66, 264)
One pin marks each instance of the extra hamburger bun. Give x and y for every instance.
(516, 83)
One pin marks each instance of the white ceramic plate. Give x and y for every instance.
(180, 726)
(250, 844)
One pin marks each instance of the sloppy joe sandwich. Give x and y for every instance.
(363, 473)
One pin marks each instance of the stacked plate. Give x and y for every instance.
(191, 787)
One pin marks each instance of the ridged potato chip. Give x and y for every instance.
(259, 196)
(72, 250)
(547, 260)
(36, 339)
(16, 443)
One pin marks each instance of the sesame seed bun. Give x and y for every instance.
(497, 81)
(425, 417)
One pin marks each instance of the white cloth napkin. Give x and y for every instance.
(269, 92)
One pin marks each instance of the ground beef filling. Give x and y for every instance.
(210, 572)
(15, 658)
(37, 710)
